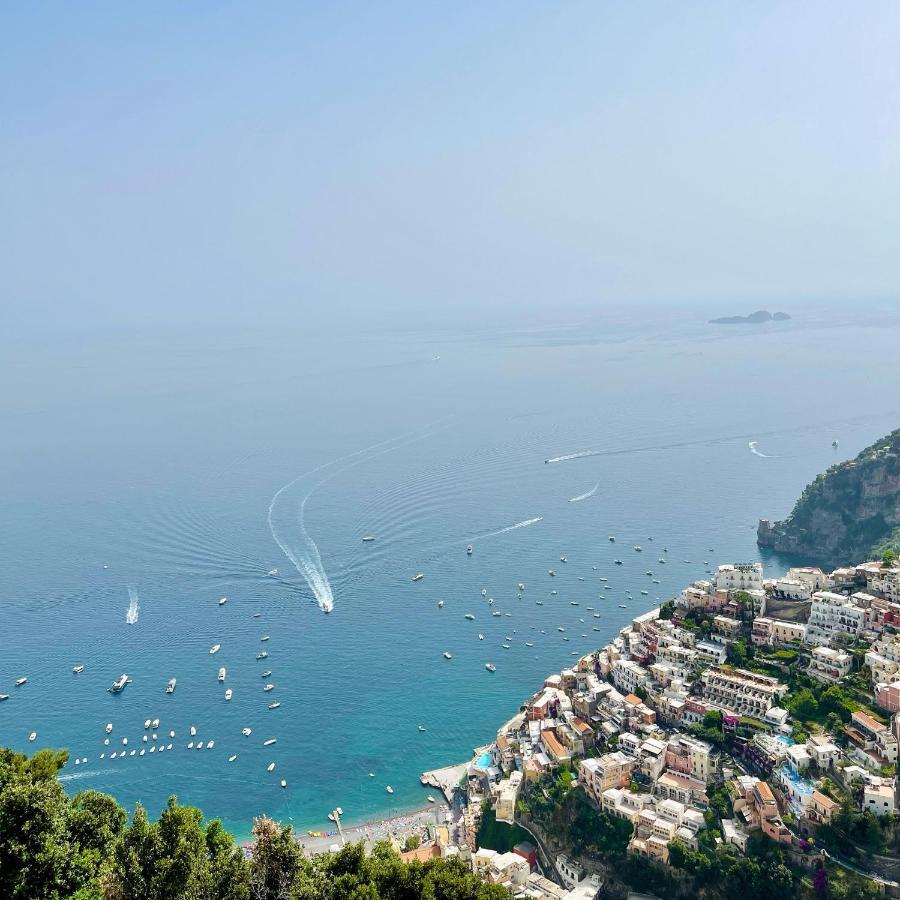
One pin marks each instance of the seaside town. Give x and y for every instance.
(751, 717)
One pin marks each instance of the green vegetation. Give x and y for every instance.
(53, 847)
(499, 836)
(855, 834)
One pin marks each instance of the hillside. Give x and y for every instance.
(851, 512)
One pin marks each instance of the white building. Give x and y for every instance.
(740, 577)
(743, 692)
(879, 799)
(507, 794)
(832, 614)
(830, 665)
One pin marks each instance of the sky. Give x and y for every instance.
(353, 161)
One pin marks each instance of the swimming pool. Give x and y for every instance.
(485, 761)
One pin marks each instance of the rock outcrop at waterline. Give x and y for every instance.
(852, 511)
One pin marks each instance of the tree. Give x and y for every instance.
(667, 610)
(888, 558)
(803, 705)
(276, 861)
(412, 842)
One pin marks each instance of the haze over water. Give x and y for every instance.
(159, 458)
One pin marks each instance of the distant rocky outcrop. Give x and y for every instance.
(851, 512)
(756, 318)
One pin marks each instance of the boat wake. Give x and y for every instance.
(584, 496)
(134, 609)
(753, 445)
(286, 518)
(579, 455)
(524, 524)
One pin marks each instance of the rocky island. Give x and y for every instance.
(755, 318)
(850, 511)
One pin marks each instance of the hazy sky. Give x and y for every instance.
(205, 159)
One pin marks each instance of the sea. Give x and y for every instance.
(146, 476)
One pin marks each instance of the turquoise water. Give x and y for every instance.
(152, 464)
(485, 760)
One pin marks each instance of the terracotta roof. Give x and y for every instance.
(633, 699)
(580, 725)
(552, 744)
(867, 720)
(824, 800)
(422, 854)
(765, 792)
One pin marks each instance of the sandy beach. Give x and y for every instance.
(400, 826)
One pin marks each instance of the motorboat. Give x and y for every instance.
(215, 648)
(155, 725)
(421, 727)
(170, 687)
(272, 572)
(228, 694)
(612, 538)
(490, 667)
(246, 732)
(638, 549)
(469, 550)
(418, 576)
(262, 655)
(618, 562)
(521, 585)
(389, 789)
(368, 538)
(118, 684)
(210, 745)
(623, 606)
(484, 592)
(270, 767)
(199, 745)
(221, 675)
(283, 783)
(274, 705)
(21, 681)
(223, 601)
(233, 757)
(109, 727)
(440, 604)
(551, 573)
(193, 730)
(480, 637)
(269, 742)
(470, 617)
(505, 646)
(4, 697)
(266, 674)
(32, 736)
(264, 638)
(268, 688)
(447, 655)
(78, 669)
(430, 799)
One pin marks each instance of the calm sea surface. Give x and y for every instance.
(153, 464)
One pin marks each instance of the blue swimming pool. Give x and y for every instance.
(485, 760)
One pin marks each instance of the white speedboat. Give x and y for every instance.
(564, 559)
(155, 725)
(638, 549)
(368, 538)
(521, 585)
(146, 723)
(32, 736)
(268, 688)
(215, 648)
(418, 576)
(21, 681)
(470, 617)
(484, 592)
(272, 572)
(269, 742)
(266, 674)
(490, 667)
(210, 745)
(447, 655)
(612, 538)
(431, 799)
(274, 705)
(4, 697)
(270, 767)
(469, 550)
(222, 673)
(480, 637)
(246, 732)
(551, 573)
(109, 727)
(223, 601)
(623, 606)
(262, 655)
(440, 604)
(193, 730)
(421, 727)
(389, 789)
(170, 687)
(283, 783)
(228, 694)
(199, 745)
(233, 757)
(119, 684)
(265, 637)
(78, 669)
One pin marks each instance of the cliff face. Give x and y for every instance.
(847, 513)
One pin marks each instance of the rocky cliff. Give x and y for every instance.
(849, 513)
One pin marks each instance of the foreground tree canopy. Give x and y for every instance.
(82, 848)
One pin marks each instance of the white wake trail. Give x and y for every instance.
(134, 609)
(579, 455)
(305, 555)
(524, 524)
(753, 445)
(584, 496)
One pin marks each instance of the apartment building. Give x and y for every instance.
(612, 770)
(829, 665)
(689, 756)
(743, 692)
(832, 614)
(740, 577)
